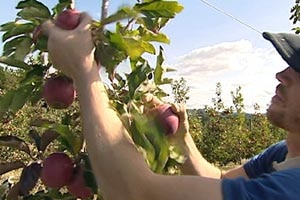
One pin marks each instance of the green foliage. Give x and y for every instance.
(180, 90)
(227, 134)
(30, 130)
(295, 15)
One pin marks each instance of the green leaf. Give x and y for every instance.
(73, 140)
(5, 102)
(167, 9)
(18, 29)
(12, 44)
(159, 37)
(137, 131)
(152, 24)
(32, 10)
(121, 14)
(21, 95)
(109, 56)
(58, 8)
(158, 72)
(23, 48)
(137, 77)
(35, 75)
(14, 63)
(90, 180)
(14, 100)
(7, 26)
(159, 142)
(132, 45)
(136, 47)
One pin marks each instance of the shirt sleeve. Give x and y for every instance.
(263, 162)
(283, 185)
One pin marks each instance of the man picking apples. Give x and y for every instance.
(121, 169)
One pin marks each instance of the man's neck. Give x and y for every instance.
(293, 145)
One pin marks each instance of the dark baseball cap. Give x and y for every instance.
(288, 46)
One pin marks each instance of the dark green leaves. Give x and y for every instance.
(33, 10)
(14, 63)
(14, 100)
(147, 135)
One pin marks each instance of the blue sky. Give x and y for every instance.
(208, 46)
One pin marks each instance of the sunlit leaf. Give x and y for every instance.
(155, 37)
(167, 9)
(121, 14)
(14, 63)
(18, 29)
(158, 72)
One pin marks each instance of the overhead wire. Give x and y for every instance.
(231, 16)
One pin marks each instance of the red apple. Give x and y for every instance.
(77, 186)
(57, 170)
(59, 92)
(166, 119)
(68, 19)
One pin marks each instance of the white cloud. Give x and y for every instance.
(232, 64)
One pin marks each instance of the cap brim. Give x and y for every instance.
(288, 46)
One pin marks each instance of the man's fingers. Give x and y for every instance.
(85, 21)
(151, 100)
(180, 110)
(47, 27)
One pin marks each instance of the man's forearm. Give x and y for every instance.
(108, 143)
(195, 163)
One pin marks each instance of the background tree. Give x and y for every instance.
(180, 90)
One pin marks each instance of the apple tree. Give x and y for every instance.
(54, 131)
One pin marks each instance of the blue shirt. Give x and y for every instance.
(265, 183)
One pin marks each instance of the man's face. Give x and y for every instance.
(284, 110)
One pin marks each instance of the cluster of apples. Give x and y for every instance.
(59, 91)
(58, 170)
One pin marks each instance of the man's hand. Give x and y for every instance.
(69, 49)
(151, 101)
